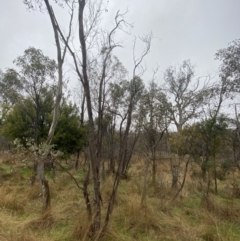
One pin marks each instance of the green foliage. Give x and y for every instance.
(207, 136)
(10, 87)
(34, 66)
(185, 96)
(70, 135)
(153, 108)
(20, 122)
(185, 141)
(230, 67)
(212, 133)
(30, 94)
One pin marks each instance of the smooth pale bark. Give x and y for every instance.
(60, 59)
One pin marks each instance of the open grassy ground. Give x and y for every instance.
(193, 216)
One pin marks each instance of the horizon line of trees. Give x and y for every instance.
(119, 110)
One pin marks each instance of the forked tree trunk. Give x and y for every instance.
(60, 58)
(46, 200)
(183, 182)
(113, 197)
(174, 169)
(121, 166)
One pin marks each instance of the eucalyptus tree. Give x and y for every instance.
(218, 93)
(230, 65)
(235, 138)
(186, 94)
(88, 30)
(35, 80)
(96, 44)
(61, 53)
(229, 74)
(20, 121)
(212, 137)
(154, 108)
(10, 87)
(134, 89)
(114, 102)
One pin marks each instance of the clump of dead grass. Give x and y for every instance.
(190, 217)
(45, 222)
(81, 227)
(224, 210)
(33, 192)
(11, 200)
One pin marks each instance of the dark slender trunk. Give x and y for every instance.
(34, 173)
(183, 182)
(154, 167)
(129, 153)
(208, 183)
(94, 157)
(113, 196)
(121, 166)
(204, 166)
(85, 192)
(175, 175)
(204, 171)
(103, 170)
(95, 167)
(215, 175)
(144, 193)
(77, 159)
(112, 164)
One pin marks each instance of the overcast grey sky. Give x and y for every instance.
(184, 29)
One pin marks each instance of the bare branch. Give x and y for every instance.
(146, 39)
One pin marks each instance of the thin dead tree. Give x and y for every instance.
(150, 158)
(189, 144)
(218, 94)
(82, 66)
(236, 139)
(154, 106)
(138, 71)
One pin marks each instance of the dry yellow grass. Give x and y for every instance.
(192, 216)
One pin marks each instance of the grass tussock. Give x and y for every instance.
(81, 228)
(11, 200)
(193, 216)
(44, 222)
